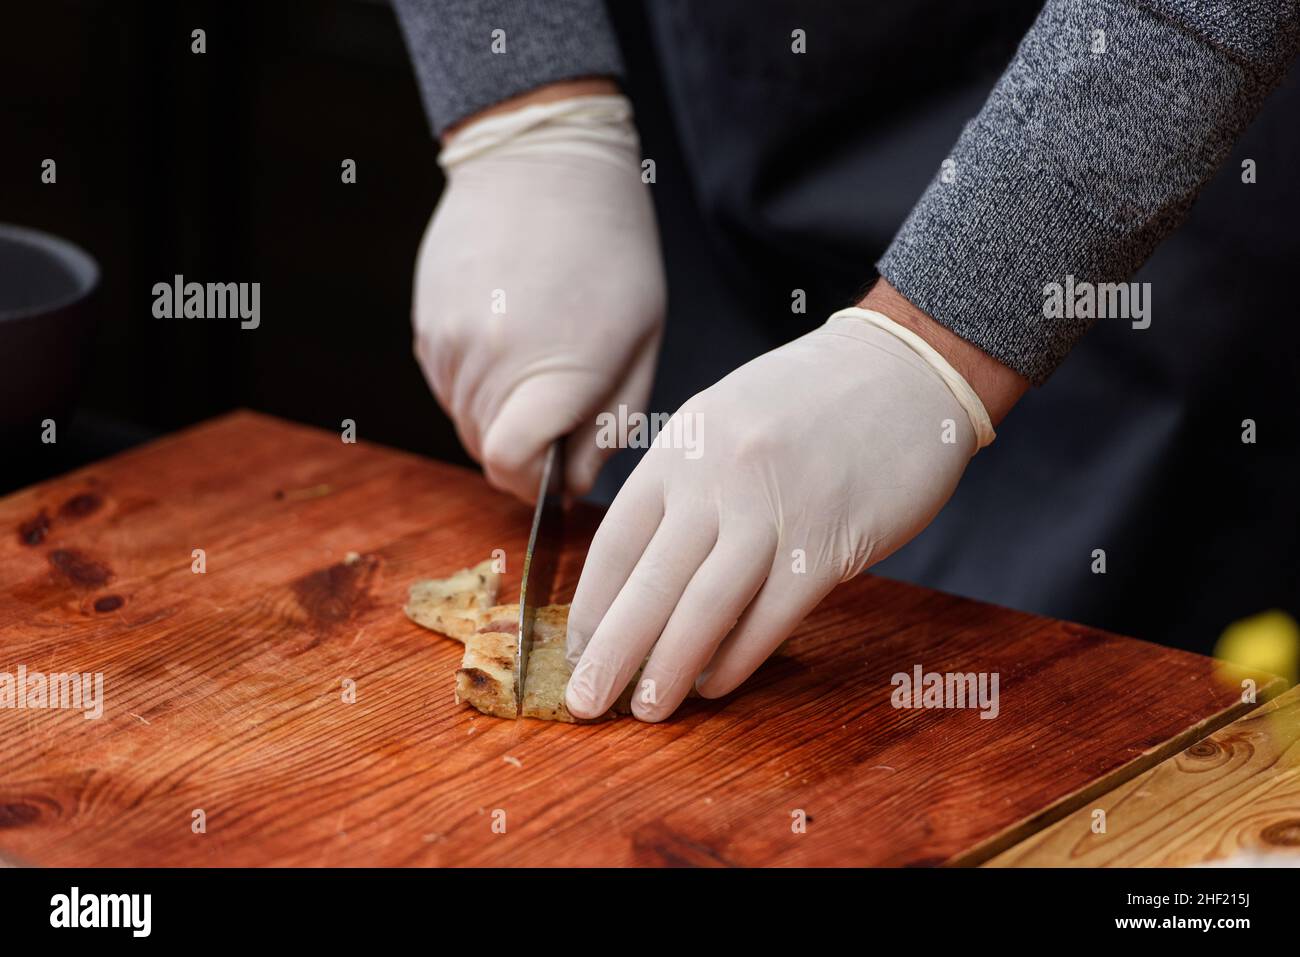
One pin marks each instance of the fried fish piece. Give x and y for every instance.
(454, 606)
(486, 677)
(461, 607)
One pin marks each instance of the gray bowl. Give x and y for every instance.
(46, 328)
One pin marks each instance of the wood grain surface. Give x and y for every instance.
(224, 691)
(1236, 791)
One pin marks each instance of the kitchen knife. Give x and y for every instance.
(541, 561)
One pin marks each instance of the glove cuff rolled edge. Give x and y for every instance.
(594, 119)
(966, 397)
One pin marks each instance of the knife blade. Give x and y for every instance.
(541, 561)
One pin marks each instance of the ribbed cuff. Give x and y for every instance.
(451, 45)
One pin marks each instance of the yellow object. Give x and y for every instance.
(1269, 641)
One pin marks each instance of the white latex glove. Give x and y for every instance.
(539, 290)
(838, 447)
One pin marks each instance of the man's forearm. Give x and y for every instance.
(998, 387)
(1090, 150)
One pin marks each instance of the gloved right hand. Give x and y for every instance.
(807, 465)
(539, 289)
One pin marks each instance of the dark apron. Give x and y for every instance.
(778, 172)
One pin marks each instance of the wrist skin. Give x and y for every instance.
(998, 387)
(549, 93)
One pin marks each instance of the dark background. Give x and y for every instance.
(223, 167)
(226, 167)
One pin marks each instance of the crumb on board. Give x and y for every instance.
(511, 759)
(351, 558)
(297, 495)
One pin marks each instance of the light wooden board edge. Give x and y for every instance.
(1067, 805)
(1288, 698)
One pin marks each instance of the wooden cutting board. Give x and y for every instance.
(224, 692)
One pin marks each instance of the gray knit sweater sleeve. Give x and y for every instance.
(469, 54)
(1091, 148)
